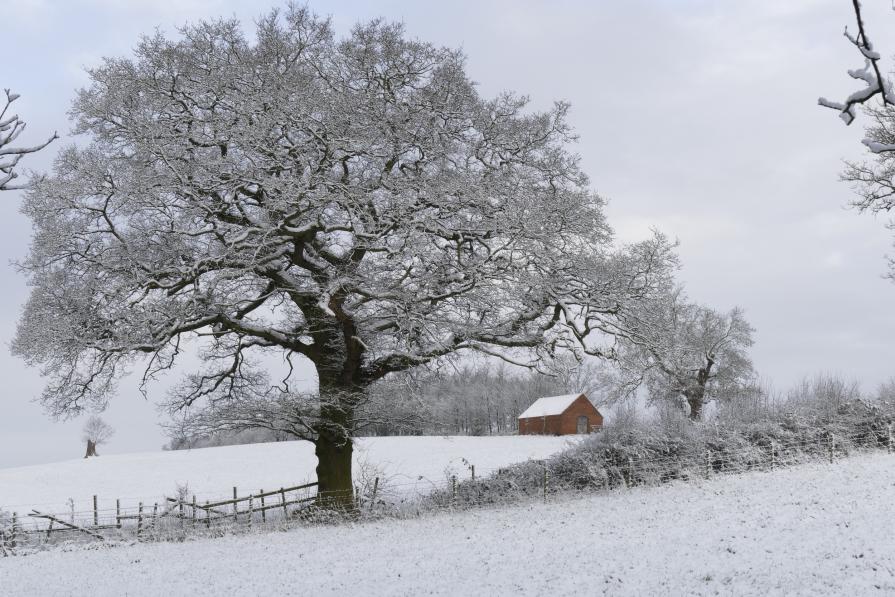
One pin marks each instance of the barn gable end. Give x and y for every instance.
(568, 414)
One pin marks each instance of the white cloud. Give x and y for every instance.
(833, 260)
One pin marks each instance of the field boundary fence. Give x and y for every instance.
(183, 516)
(167, 518)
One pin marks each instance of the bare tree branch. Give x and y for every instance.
(10, 128)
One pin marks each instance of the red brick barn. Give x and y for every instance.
(560, 415)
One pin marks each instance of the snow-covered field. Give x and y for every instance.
(816, 529)
(410, 464)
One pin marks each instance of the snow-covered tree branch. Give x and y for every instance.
(11, 127)
(872, 180)
(354, 203)
(875, 84)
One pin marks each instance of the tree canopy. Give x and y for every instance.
(354, 202)
(96, 430)
(684, 353)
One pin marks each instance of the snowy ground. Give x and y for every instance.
(816, 529)
(408, 464)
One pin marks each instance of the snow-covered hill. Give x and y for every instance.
(816, 529)
(404, 463)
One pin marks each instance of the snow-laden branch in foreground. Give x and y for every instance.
(875, 83)
(10, 128)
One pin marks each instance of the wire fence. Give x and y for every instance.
(606, 468)
(172, 518)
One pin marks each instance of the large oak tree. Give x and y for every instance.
(355, 203)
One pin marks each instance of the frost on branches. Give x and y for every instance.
(11, 126)
(351, 202)
(683, 353)
(875, 84)
(874, 181)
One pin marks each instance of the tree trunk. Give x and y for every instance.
(335, 489)
(333, 446)
(696, 400)
(695, 403)
(91, 449)
(696, 395)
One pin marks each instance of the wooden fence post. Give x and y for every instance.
(207, 516)
(15, 525)
(251, 509)
(283, 500)
(832, 446)
(194, 510)
(472, 469)
(118, 513)
(373, 497)
(139, 520)
(263, 510)
(235, 507)
(95, 513)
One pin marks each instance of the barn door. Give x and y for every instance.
(582, 424)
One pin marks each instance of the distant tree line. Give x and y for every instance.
(474, 399)
(483, 399)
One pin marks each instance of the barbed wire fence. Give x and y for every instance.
(606, 468)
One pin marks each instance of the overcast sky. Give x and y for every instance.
(698, 117)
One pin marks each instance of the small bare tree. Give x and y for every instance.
(96, 432)
(824, 392)
(11, 126)
(886, 391)
(683, 353)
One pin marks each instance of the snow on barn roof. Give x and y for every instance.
(549, 406)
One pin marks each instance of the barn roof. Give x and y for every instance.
(549, 406)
